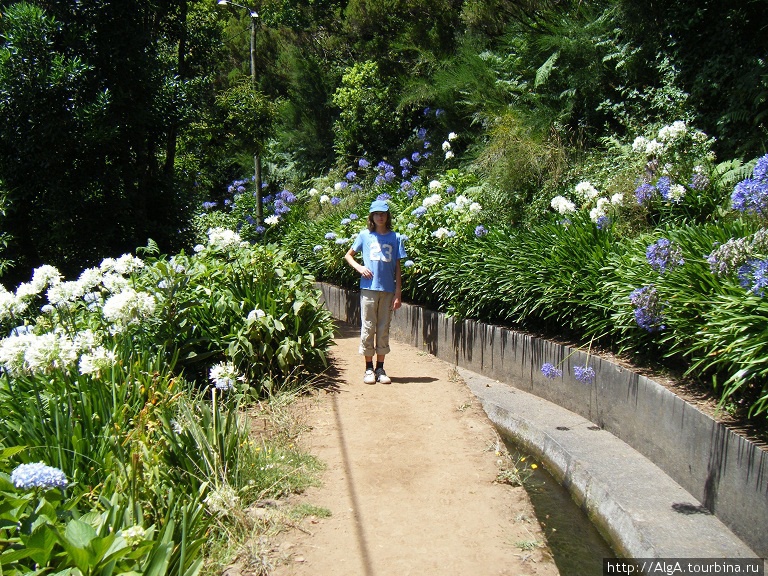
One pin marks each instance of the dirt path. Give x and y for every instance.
(409, 479)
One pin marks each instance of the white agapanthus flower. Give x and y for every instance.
(10, 305)
(617, 199)
(676, 193)
(448, 155)
(115, 283)
(65, 293)
(562, 205)
(90, 278)
(441, 233)
(128, 307)
(97, 361)
(314, 192)
(452, 136)
(272, 220)
(586, 191)
(672, 132)
(600, 209)
(432, 200)
(222, 500)
(223, 238)
(42, 277)
(224, 375)
(40, 354)
(654, 147)
(446, 146)
(475, 207)
(640, 144)
(435, 185)
(325, 199)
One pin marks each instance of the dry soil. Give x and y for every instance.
(410, 479)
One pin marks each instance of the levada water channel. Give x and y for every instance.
(577, 547)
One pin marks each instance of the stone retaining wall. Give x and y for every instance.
(727, 473)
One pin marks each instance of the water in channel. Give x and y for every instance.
(576, 545)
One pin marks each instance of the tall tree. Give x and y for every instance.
(92, 96)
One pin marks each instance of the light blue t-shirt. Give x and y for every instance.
(380, 255)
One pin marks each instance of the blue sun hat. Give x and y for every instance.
(379, 206)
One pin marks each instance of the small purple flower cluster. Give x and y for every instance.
(480, 231)
(644, 193)
(282, 200)
(603, 222)
(753, 276)
(729, 257)
(648, 308)
(584, 374)
(663, 255)
(751, 194)
(550, 371)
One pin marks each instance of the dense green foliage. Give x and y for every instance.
(108, 383)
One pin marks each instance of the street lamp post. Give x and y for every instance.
(256, 158)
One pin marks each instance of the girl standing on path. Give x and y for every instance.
(380, 286)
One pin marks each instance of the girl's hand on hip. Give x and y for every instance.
(364, 272)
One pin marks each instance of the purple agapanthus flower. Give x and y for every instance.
(550, 371)
(663, 255)
(584, 374)
(648, 308)
(644, 193)
(753, 276)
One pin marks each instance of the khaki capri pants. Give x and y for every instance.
(376, 314)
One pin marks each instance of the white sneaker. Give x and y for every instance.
(381, 376)
(369, 377)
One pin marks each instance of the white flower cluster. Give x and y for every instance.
(432, 200)
(40, 354)
(222, 500)
(600, 209)
(447, 145)
(134, 535)
(128, 307)
(125, 265)
(272, 220)
(673, 131)
(665, 138)
(562, 205)
(586, 191)
(442, 232)
(97, 361)
(223, 239)
(224, 375)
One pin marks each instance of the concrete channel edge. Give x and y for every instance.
(724, 475)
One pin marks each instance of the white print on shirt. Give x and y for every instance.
(379, 252)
